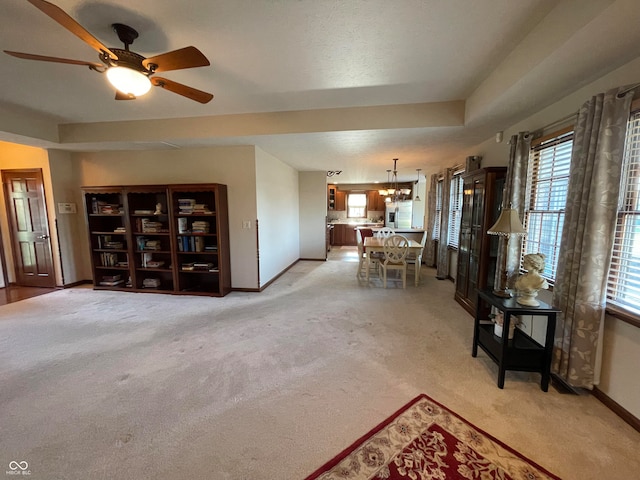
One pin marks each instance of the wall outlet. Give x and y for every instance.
(246, 224)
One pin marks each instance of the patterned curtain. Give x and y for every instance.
(431, 219)
(514, 195)
(587, 236)
(443, 243)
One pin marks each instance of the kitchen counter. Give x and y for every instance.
(405, 230)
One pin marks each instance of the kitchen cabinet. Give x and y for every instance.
(375, 202)
(331, 197)
(341, 200)
(344, 234)
(478, 251)
(521, 353)
(336, 199)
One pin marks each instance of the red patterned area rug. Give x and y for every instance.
(425, 440)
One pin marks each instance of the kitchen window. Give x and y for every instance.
(356, 205)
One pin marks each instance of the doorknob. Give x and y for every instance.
(43, 237)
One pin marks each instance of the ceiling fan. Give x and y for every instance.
(130, 73)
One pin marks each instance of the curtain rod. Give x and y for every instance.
(558, 122)
(628, 89)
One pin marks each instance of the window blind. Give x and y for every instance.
(357, 203)
(623, 285)
(455, 209)
(547, 184)
(436, 227)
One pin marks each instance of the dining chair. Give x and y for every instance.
(365, 232)
(395, 257)
(362, 256)
(415, 258)
(385, 232)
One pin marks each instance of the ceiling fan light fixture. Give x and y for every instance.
(129, 81)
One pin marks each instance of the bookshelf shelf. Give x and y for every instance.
(193, 218)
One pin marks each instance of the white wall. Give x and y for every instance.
(277, 213)
(312, 189)
(69, 225)
(232, 166)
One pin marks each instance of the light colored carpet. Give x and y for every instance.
(103, 385)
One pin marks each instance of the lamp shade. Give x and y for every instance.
(129, 81)
(508, 224)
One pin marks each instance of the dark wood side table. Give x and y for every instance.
(522, 352)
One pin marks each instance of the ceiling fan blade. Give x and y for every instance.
(42, 58)
(188, 57)
(70, 24)
(180, 89)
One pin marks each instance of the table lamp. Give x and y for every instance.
(507, 225)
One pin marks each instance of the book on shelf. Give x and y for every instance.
(145, 225)
(155, 263)
(120, 230)
(143, 212)
(200, 226)
(109, 208)
(109, 259)
(111, 280)
(187, 266)
(114, 245)
(151, 283)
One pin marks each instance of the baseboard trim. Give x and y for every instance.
(616, 408)
(233, 289)
(562, 386)
(77, 284)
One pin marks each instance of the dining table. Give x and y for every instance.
(376, 244)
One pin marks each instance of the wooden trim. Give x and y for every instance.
(557, 133)
(313, 259)
(77, 284)
(277, 276)
(616, 408)
(623, 315)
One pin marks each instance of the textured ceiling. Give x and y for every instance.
(308, 56)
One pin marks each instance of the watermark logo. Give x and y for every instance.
(18, 468)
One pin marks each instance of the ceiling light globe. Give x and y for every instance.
(129, 81)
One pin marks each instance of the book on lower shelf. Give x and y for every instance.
(111, 280)
(151, 283)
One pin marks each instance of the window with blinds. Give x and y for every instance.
(455, 209)
(357, 205)
(623, 285)
(547, 184)
(436, 227)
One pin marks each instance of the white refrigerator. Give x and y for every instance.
(399, 214)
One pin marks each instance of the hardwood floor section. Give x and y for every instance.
(15, 293)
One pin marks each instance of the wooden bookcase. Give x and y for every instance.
(160, 238)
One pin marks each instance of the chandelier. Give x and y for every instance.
(392, 192)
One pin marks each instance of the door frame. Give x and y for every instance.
(12, 233)
(3, 262)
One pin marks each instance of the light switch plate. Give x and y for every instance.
(246, 224)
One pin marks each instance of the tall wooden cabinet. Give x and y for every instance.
(160, 238)
(478, 251)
